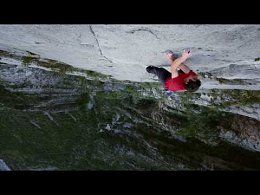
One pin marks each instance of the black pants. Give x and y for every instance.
(161, 73)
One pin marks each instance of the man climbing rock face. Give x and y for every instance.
(183, 79)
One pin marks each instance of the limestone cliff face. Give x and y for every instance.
(123, 51)
(58, 117)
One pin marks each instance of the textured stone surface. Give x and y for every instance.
(3, 166)
(124, 51)
(56, 117)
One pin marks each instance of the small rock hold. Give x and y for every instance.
(108, 127)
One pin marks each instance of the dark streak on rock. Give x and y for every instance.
(143, 29)
(99, 48)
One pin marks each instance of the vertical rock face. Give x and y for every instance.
(3, 166)
(54, 116)
(57, 117)
(243, 131)
(124, 51)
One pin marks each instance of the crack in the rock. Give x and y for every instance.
(108, 59)
(99, 48)
(143, 29)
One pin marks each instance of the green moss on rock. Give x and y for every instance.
(26, 60)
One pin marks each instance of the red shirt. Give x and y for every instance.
(177, 83)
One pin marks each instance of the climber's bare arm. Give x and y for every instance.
(184, 68)
(179, 62)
